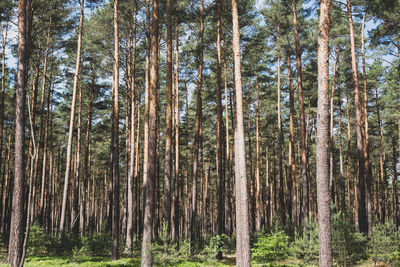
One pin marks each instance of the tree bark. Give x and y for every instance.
(303, 146)
(152, 145)
(198, 125)
(292, 160)
(17, 212)
(363, 223)
(323, 139)
(168, 122)
(220, 137)
(71, 121)
(131, 158)
(115, 149)
(280, 133)
(368, 170)
(242, 215)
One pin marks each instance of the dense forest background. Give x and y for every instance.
(132, 118)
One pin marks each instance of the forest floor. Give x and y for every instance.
(97, 261)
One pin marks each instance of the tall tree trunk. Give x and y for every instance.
(178, 183)
(280, 133)
(381, 182)
(331, 141)
(17, 212)
(168, 122)
(220, 136)
(303, 146)
(131, 165)
(227, 159)
(341, 164)
(2, 93)
(197, 136)
(44, 162)
(152, 139)
(242, 215)
(395, 196)
(146, 103)
(115, 149)
(258, 146)
(363, 223)
(323, 194)
(292, 160)
(368, 170)
(71, 121)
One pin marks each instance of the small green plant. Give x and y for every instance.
(348, 245)
(274, 247)
(217, 243)
(384, 244)
(164, 251)
(97, 244)
(305, 245)
(38, 241)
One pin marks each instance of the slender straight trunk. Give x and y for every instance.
(35, 86)
(303, 146)
(168, 122)
(7, 185)
(227, 159)
(71, 121)
(331, 122)
(196, 142)
(323, 138)
(368, 170)
(187, 199)
(45, 152)
(115, 149)
(39, 140)
(220, 136)
(2, 93)
(341, 164)
(395, 196)
(17, 213)
(258, 146)
(252, 182)
(381, 182)
(131, 149)
(77, 164)
(175, 232)
(242, 215)
(146, 104)
(363, 223)
(136, 175)
(280, 133)
(292, 160)
(152, 145)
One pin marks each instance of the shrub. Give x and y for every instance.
(164, 251)
(305, 245)
(217, 243)
(38, 242)
(97, 244)
(384, 244)
(348, 245)
(271, 248)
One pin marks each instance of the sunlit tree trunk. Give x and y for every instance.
(242, 214)
(17, 214)
(323, 139)
(198, 125)
(363, 223)
(220, 137)
(115, 150)
(71, 122)
(152, 139)
(368, 170)
(303, 146)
